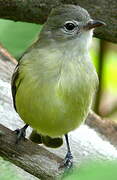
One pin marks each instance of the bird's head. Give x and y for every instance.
(69, 22)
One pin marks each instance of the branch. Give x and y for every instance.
(106, 127)
(36, 11)
(29, 156)
(6, 56)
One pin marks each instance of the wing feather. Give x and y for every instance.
(13, 84)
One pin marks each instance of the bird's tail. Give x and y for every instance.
(46, 140)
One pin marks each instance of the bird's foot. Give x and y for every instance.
(68, 161)
(21, 133)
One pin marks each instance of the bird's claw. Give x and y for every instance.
(68, 161)
(21, 133)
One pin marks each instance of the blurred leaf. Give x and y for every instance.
(110, 67)
(95, 171)
(7, 172)
(17, 36)
(110, 72)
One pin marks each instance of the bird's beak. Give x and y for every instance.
(93, 24)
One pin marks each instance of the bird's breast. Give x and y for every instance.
(59, 99)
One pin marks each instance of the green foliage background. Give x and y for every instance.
(7, 171)
(94, 171)
(17, 36)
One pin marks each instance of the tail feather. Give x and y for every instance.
(46, 140)
(35, 137)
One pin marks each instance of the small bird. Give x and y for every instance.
(54, 82)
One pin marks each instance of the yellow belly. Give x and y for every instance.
(54, 97)
(51, 110)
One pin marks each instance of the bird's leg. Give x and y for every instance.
(21, 133)
(68, 161)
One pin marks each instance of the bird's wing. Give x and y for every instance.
(14, 87)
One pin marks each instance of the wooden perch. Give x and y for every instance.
(29, 156)
(37, 11)
(6, 56)
(106, 127)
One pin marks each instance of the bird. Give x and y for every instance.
(54, 83)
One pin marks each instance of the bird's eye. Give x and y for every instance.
(69, 26)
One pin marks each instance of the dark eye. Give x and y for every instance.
(69, 26)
